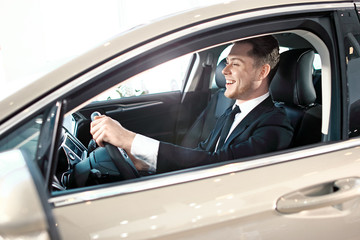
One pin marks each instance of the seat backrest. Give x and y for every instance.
(292, 88)
(206, 121)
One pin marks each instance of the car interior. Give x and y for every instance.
(187, 116)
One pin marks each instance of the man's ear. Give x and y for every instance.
(265, 70)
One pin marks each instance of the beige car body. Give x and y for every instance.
(253, 200)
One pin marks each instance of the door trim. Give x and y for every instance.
(203, 172)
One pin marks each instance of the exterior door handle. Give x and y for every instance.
(328, 194)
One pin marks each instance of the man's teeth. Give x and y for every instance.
(229, 81)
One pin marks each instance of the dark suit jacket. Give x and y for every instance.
(265, 129)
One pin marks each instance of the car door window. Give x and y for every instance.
(165, 77)
(349, 39)
(352, 58)
(352, 49)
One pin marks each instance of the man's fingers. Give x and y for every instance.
(96, 124)
(97, 130)
(105, 129)
(99, 139)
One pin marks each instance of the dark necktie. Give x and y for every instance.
(226, 128)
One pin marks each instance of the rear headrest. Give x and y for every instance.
(293, 82)
(219, 76)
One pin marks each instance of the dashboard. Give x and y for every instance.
(70, 152)
(74, 150)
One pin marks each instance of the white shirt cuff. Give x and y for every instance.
(145, 149)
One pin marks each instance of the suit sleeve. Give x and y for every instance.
(272, 133)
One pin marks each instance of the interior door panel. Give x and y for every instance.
(153, 115)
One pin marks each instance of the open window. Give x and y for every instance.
(158, 115)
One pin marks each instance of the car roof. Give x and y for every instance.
(125, 41)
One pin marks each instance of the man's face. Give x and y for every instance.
(242, 75)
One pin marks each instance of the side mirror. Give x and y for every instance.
(22, 211)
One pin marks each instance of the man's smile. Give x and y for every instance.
(229, 82)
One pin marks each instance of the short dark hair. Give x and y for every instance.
(265, 51)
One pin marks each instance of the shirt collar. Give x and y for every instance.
(247, 106)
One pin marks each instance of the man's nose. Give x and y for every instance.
(226, 70)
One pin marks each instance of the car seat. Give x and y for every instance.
(292, 88)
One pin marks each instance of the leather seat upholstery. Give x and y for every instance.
(293, 89)
(205, 123)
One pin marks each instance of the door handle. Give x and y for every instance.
(328, 194)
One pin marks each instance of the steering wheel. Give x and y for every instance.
(120, 158)
(122, 162)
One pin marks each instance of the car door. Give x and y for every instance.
(301, 193)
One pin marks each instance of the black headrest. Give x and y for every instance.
(219, 76)
(293, 82)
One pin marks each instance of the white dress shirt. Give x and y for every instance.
(146, 149)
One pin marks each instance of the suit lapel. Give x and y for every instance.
(264, 106)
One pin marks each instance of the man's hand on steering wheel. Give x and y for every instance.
(105, 129)
(109, 134)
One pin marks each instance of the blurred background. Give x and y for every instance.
(37, 36)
